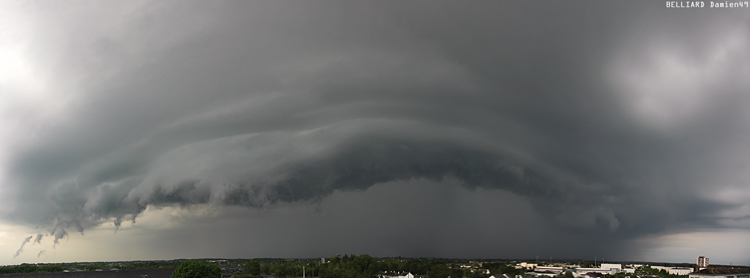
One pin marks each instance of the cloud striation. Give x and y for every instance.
(257, 104)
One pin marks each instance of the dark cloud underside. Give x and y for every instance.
(612, 120)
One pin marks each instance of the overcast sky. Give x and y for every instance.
(472, 129)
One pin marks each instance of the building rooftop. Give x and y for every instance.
(724, 270)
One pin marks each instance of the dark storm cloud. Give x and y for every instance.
(259, 103)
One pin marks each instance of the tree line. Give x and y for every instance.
(31, 268)
(365, 266)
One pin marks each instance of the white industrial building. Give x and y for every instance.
(680, 270)
(583, 271)
(674, 270)
(549, 271)
(618, 267)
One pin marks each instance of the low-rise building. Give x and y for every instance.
(389, 274)
(674, 269)
(481, 270)
(724, 272)
(549, 271)
(680, 271)
(526, 265)
(593, 272)
(618, 267)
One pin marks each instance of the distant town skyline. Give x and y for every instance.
(141, 130)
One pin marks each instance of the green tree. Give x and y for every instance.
(253, 268)
(477, 274)
(50, 268)
(584, 263)
(567, 274)
(503, 268)
(195, 269)
(440, 270)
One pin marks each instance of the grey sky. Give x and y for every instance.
(294, 129)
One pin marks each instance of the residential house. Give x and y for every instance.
(390, 274)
